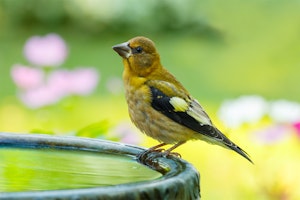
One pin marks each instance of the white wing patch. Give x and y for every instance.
(179, 104)
(192, 108)
(197, 112)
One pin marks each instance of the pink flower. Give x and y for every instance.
(39, 97)
(38, 88)
(26, 77)
(59, 82)
(83, 81)
(272, 134)
(50, 50)
(126, 133)
(296, 126)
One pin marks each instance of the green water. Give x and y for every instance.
(47, 169)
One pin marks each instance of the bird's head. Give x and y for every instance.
(139, 55)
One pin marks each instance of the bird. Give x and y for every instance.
(159, 105)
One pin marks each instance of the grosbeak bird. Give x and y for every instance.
(159, 105)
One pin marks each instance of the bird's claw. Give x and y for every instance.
(143, 155)
(160, 152)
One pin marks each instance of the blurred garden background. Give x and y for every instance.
(240, 59)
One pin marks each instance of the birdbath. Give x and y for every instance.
(35, 166)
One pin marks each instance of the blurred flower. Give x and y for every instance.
(26, 77)
(297, 128)
(114, 85)
(245, 109)
(284, 111)
(60, 83)
(272, 134)
(39, 97)
(81, 81)
(127, 133)
(39, 87)
(48, 51)
(285, 116)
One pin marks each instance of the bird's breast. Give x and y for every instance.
(150, 121)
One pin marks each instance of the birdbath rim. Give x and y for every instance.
(173, 169)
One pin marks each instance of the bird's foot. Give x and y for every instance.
(159, 152)
(144, 154)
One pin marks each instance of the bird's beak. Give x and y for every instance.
(123, 49)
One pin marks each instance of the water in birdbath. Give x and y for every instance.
(23, 169)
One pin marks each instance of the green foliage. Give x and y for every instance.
(31, 12)
(42, 131)
(94, 130)
(108, 15)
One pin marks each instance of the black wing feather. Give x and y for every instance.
(161, 103)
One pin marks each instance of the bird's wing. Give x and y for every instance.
(182, 109)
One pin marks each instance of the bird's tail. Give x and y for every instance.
(229, 144)
(240, 151)
(213, 135)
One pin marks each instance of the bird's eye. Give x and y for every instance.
(137, 50)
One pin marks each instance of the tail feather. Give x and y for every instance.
(240, 151)
(229, 144)
(214, 136)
